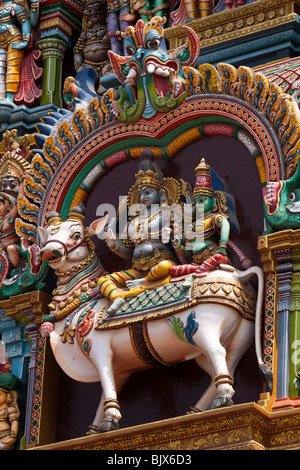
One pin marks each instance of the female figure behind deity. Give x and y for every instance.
(207, 237)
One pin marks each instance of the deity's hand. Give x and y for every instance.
(222, 251)
(128, 17)
(110, 235)
(165, 234)
(19, 45)
(110, 238)
(177, 238)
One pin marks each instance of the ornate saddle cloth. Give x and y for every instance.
(169, 299)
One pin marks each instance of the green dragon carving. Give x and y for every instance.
(282, 204)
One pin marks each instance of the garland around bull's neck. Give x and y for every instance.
(75, 286)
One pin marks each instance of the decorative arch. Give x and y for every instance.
(199, 116)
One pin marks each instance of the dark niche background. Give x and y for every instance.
(160, 394)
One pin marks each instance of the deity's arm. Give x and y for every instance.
(34, 12)
(78, 50)
(121, 250)
(23, 19)
(14, 426)
(121, 246)
(224, 227)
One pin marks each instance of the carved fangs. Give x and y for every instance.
(164, 74)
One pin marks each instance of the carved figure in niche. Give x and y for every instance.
(144, 239)
(13, 168)
(93, 43)
(206, 239)
(15, 27)
(9, 241)
(9, 411)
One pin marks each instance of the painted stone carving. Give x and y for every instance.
(151, 78)
(190, 9)
(15, 27)
(118, 18)
(144, 240)
(21, 269)
(207, 236)
(282, 204)
(163, 325)
(93, 43)
(9, 411)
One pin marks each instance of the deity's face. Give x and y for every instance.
(149, 195)
(10, 185)
(206, 201)
(96, 12)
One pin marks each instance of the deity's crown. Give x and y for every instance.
(203, 183)
(13, 165)
(147, 178)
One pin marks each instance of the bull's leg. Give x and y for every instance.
(100, 414)
(216, 355)
(240, 344)
(210, 393)
(102, 360)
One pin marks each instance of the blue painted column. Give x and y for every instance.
(284, 270)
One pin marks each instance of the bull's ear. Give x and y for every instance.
(97, 226)
(42, 236)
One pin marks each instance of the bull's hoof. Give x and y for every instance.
(220, 401)
(193, 410)
(108, 424)
(92, 430)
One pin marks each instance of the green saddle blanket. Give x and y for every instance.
(151, 304)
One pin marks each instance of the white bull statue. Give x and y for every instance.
(214, 324)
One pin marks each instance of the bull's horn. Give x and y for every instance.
(54, 218)
(77, 212)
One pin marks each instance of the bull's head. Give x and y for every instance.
(152, 79)
(67, 243)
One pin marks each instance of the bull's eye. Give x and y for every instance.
(76, 235)
(153, 43)
(292, 196)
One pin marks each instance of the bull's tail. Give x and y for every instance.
(265, 372)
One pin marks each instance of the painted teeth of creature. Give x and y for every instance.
(131, 76)
(164, 72)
